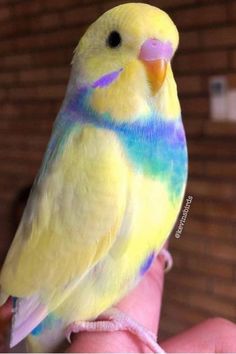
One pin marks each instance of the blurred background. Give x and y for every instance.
(37, 38)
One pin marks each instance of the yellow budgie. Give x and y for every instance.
(110, 186)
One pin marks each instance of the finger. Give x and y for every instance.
(6, 311)
(5, 324)
(143, 304)
(215, 335)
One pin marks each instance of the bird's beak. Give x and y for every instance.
(155, 55)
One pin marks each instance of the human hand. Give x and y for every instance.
(5, 323)
(143, 304)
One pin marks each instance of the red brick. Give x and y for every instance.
(203, 301)
(206, 265)
(186, 279)
(35, 141)
(176, 311)
(224, 289)
(179, 260)
(41, 41)
(216, 230)
(217, 307)
(28, 109)
(219, 37)
(46, 21)
(6, 195)
(107, 5)
(54, 92)
(233, 59)
(195, 106)
(49, 58)
(26, 8)
(232, 10)
(193, 127)
(8, 109)
(202, 62)
(14, 28)
(52, 57)
(215, 210)
(222, 169)
(7, 46)
(188, 243)
(60, 74)
(59, 4)
(220, 129)
(50, 40)
(4, 13)
(189, 84)
(196, 168)
(214, 190)
(7, 78)
(25, 125)
(19, 169)
(20, 155)
(199, 16)
(189, 40)
(212, 150)
(220, 250)
(31, 25)
(33, 107)
(3, 95)
(173, 4)
(15, 61)
(81, 15)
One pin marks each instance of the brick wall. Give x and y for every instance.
(36, 42)
(203, 281)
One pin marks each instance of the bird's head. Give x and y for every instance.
(125, 58)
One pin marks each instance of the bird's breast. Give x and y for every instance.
(158, 150)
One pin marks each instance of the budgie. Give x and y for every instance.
(110, 186)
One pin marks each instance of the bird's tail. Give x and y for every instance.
(44, 332)
(47, 337)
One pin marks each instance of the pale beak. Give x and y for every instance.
(155, 55)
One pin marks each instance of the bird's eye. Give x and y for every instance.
(114, 39)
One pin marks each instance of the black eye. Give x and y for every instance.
(114, 39)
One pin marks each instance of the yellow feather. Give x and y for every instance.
(146, 226)
(93, 218)
(132, 95)
(76, 210)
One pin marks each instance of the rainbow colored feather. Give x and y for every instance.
(162, 141)
(111, 183)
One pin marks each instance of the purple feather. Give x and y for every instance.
(106, 79)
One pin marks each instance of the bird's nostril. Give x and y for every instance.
(153, 49)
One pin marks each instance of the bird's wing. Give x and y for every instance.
(72, 218)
